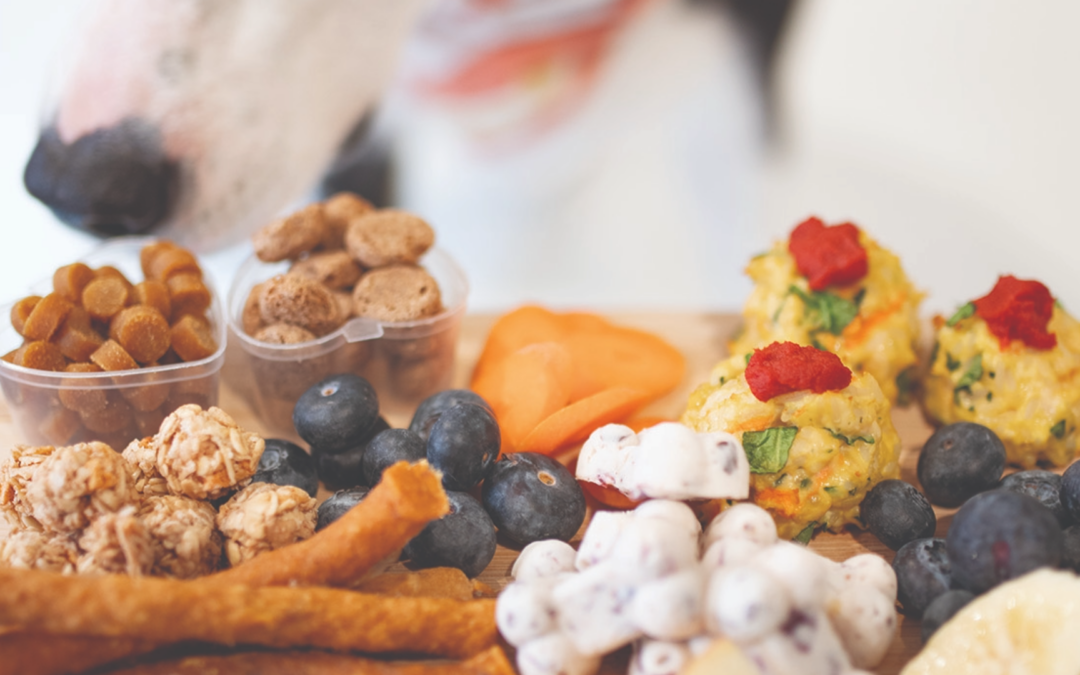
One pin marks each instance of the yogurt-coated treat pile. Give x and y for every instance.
(650, 577)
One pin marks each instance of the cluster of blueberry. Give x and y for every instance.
(527, 496)
(1004, 528)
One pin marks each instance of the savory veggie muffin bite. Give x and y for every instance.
(1010, 361)
(835, 288)
(817, 435)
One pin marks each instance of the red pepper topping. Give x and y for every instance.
(828, 256)
(1018, 309)
(784, 367)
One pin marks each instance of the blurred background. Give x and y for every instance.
(946, 129)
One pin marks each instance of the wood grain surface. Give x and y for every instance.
(701, 338)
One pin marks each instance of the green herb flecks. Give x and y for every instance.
(964, 312)
(805, 483)
(1058, 430)
(906, 385)
(832, 489)
(826, 311)
(807, 534)
(973, 372)
(767, 450)
(748, 355)
(850, 440)
(951, 364)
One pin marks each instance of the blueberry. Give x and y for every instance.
(923, 572)
(942, 609)
(336, 413)
(285, 463)
(463, 538)
(533, 497)
(340, 470)
(897, 513)
(432, 407)
(1070, 548)
(1070, 491)
(463, 444)
(958, 461)
(390, 446)
(338, 504)
(1000, 535)
(1042, 485)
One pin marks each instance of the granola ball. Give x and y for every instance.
(263, 517)
(37, 550)
(16, 472)
(204, 454)
(142, 457)
(116, 543)
(185, 538)
(77, 483)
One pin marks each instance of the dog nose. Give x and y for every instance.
(108, 182)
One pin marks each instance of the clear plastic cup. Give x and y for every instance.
(405, 361)
(126, 404)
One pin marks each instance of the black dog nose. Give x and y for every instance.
(109, 182)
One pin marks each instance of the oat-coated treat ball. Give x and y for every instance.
(184, 534)
(289, 237)
(37, 550)
(76, 484)
(397, 293)
(388, 237)
(141, 456)
(116, 543)
(15, 475)
(299, 301)
(204, 454)
(263, 517)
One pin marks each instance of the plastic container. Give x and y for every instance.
(135, 401)
(405, 361)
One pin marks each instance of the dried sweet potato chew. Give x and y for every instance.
(153, 293)
(491, 661)
(396, 510)
(39, 355)
(169, 611)
(151, 251)
(70, 280)
(20, 311)
(77, 338)
(111, 272)
(142, 331)
(46, 316)
(192, 338)
(433, 582)
(29, 653)
(187, 294)
(105, 296)
(169, 262)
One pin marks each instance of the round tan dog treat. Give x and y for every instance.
(388, 237)
(263, 517)
(283, 334)
(70, 280)
(187, 542)
(333, 269)
(192, 338)
(142, 331)
(297, 300)
(108, 271)
(105, 296)
(114, 418)
(397, 293)
(153, 293)
(82, 395)
(339, 210)
(250, 318)
(112, 356)
(46, 316)
(170, 261)
(187, 294)
(77, 338)
(39, 355)
(149, 252)
(344, 303)
(77, 483)
(20, 311)
(288, 237)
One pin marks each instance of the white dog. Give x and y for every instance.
(575, 152)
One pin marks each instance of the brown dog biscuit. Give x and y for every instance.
(142, 331)
(334, 269)
(397, 293)
(170, 261)
(70, 280)
(192, 338)
(283, 334)
(20, 312)
(388, 237)
(187, 295)
(39, 355)
(105, 296)
(288, 237)
(155, 294)
(112, 356)
(250, 317)
(297, 300)
(340, 210)
(46, 316)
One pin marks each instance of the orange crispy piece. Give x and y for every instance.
(142, 331)
(170, 611)
(70, 280)
(433, 582)
(114, 418)
(84, 395)
(153, 293)
(26, 653)
(77, 338)
(59, 425)
(39, 355)
(20, 311)
(192, 338)
(169, 262)
(188, 294)
(108, 271)
(112, 356)
(46, 316)
(105, 296)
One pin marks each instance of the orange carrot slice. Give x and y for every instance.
(523, 326)
(625, 357)
(575, 422)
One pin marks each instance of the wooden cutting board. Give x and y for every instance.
(701, 338)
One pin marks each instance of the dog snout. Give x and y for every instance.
(111, 181)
